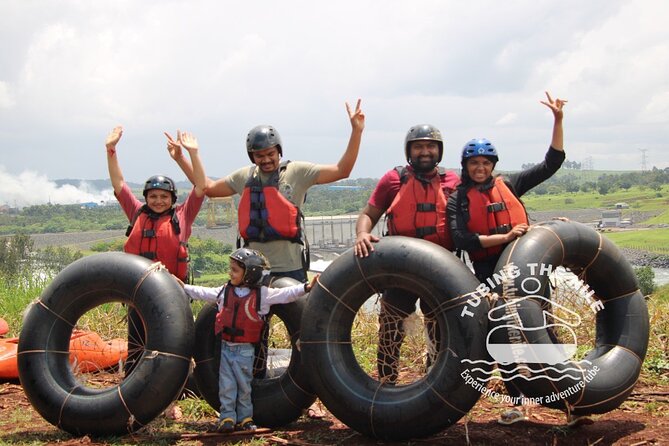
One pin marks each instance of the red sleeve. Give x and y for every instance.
(129, 203)
(385, 191)
(449, 182)
(186, 213)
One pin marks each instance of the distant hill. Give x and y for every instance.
(106, 184)
(578, 176)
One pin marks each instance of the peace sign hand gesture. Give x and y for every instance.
(555, 106)
(357, 117)
(174, 147)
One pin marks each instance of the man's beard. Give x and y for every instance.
(423, 166)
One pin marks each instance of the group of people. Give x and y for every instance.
(474, 211)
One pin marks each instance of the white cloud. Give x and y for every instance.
(507, 119)
(6, 100)
(217, 69)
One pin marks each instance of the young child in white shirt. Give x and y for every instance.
(242, 304)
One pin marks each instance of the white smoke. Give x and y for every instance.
(31, 188)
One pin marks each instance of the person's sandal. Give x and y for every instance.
(314, 412)
(247, 424)
(512, 416)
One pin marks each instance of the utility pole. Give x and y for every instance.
(587, 163)
(643, 160)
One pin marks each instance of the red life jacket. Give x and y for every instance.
(419, 208)
(264, 214)
(238, 320)
(495, 210)
(156, 237)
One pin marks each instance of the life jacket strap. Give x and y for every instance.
(425, 231)
(232, 331)
(496, 207)
(501, 229)
(426, 207)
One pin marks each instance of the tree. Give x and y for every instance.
(53, 259)
(15, 254)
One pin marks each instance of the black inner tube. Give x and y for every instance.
(424, 407)
(606, 376)
(160, 373)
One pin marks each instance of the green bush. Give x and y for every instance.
(645, 276)
(116, 245)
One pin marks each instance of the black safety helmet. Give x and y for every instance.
(262, 137)
(161, 182)
(423, 131)
(256, 266)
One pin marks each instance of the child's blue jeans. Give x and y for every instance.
(235, 375)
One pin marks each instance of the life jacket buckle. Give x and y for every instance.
(496, 207)
(425, 230)
(426, 207)
(501, 229)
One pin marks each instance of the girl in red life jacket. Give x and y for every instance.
(242, 304)
(159, 229)
(485, 212)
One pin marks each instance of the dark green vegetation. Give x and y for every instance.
(568, 189)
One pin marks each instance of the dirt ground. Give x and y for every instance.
(642, 420)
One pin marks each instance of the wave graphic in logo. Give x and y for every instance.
(571, 370)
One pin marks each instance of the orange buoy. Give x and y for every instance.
(88, 353)
(4, 328)
(8, 365)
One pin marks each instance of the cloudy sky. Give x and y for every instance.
(72, 70)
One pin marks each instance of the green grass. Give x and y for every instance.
(14, 299)
(652, 240)
(662, 219)
(212, 280)
(640, 199)
(656, 366)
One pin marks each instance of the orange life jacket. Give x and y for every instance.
(238, 320)
(156, 237)
(264, 214)
(495, 210)
(419, 208)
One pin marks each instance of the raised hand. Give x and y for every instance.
(112, 139)
(189, 141)
(555, 105)
(357, 117)
(174, 146)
